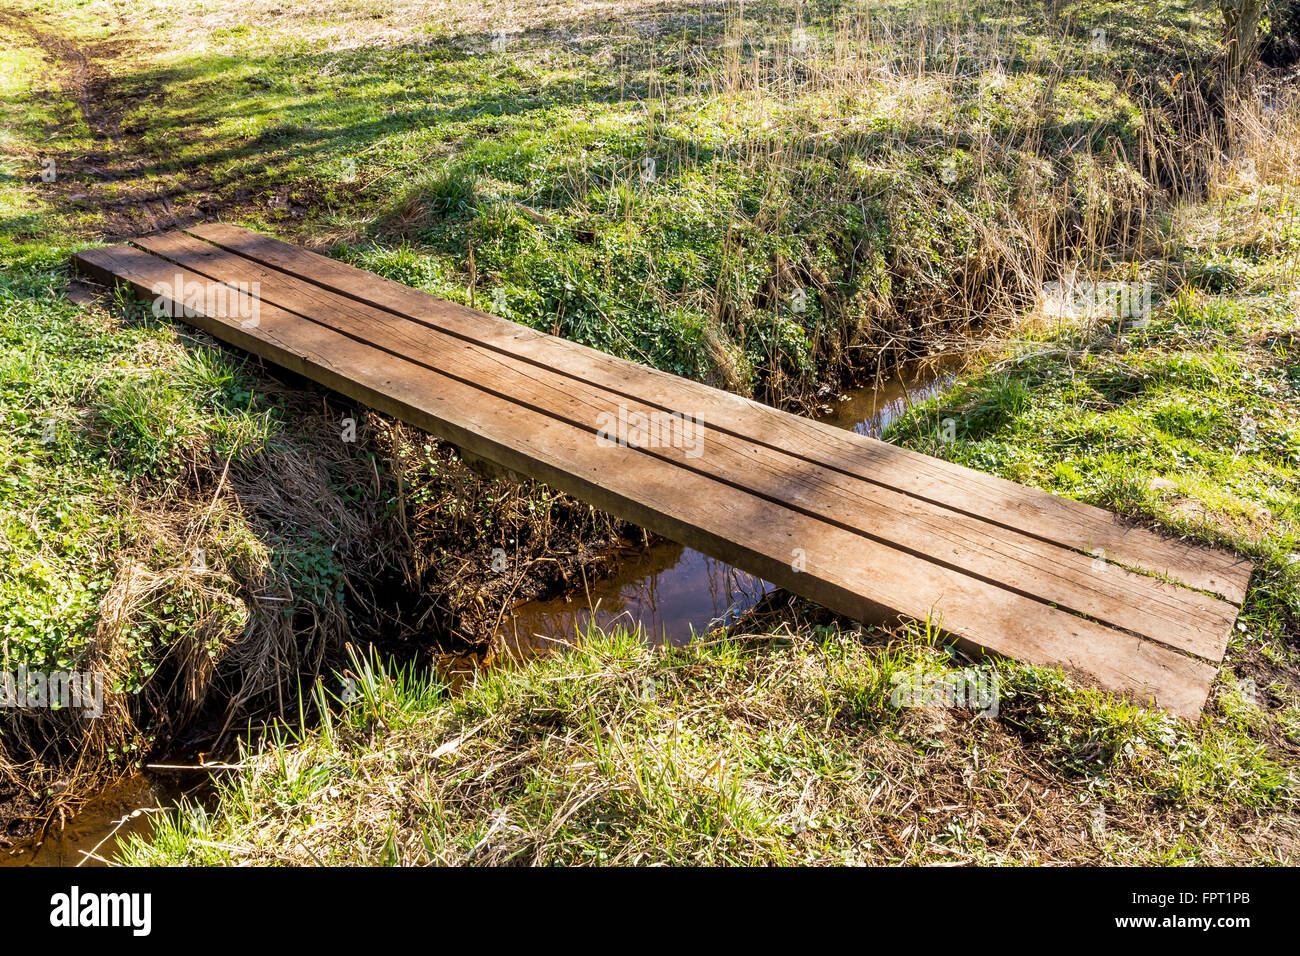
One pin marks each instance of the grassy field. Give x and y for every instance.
(655, 187)
(783, 201)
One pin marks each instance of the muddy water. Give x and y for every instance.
(667, 591)
(869, 411)
(673, 593)
(93, 836)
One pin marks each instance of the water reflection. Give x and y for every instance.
(870, 411)
(669, 591)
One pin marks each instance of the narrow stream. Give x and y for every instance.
(668, 591)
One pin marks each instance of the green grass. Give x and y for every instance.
(90, 408)
(510, 178)
(1192, 422)
(755, 749)
(115, 553)
(786, 749)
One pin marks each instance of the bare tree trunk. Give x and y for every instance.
(1241, 34)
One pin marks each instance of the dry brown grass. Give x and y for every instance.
(1260, 163)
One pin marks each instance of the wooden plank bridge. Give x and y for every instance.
(868, 529)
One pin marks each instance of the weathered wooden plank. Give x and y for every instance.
(845, 571)
(1028, 511)
(1175, 616)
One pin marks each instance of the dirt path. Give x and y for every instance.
(127, 189)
